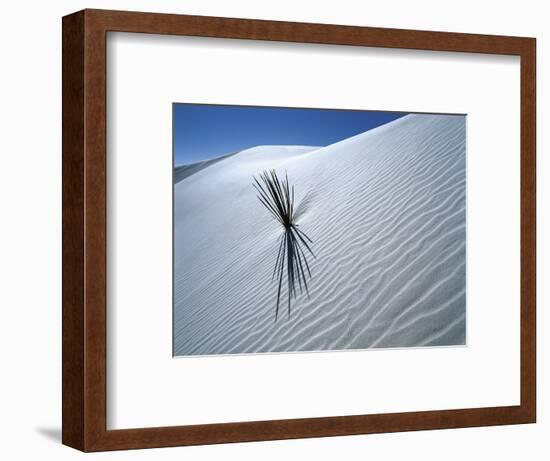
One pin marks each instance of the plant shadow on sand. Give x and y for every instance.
(294, 245)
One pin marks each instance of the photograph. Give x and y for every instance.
(301, 230)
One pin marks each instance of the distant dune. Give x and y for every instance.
(386, 212)
(184, 171)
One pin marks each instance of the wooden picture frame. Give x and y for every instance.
(85, 221)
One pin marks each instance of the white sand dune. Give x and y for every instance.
(386, 212)
(184, 171)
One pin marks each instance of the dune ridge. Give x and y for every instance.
(386, 212)
(184, 171)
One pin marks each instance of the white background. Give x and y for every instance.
(146, 386)
(30, 246)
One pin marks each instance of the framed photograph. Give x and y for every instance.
(279, 230)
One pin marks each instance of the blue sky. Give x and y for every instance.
(207, 131)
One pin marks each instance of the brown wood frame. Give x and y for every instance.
(84, 229)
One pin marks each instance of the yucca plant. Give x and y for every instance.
(294, 245)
